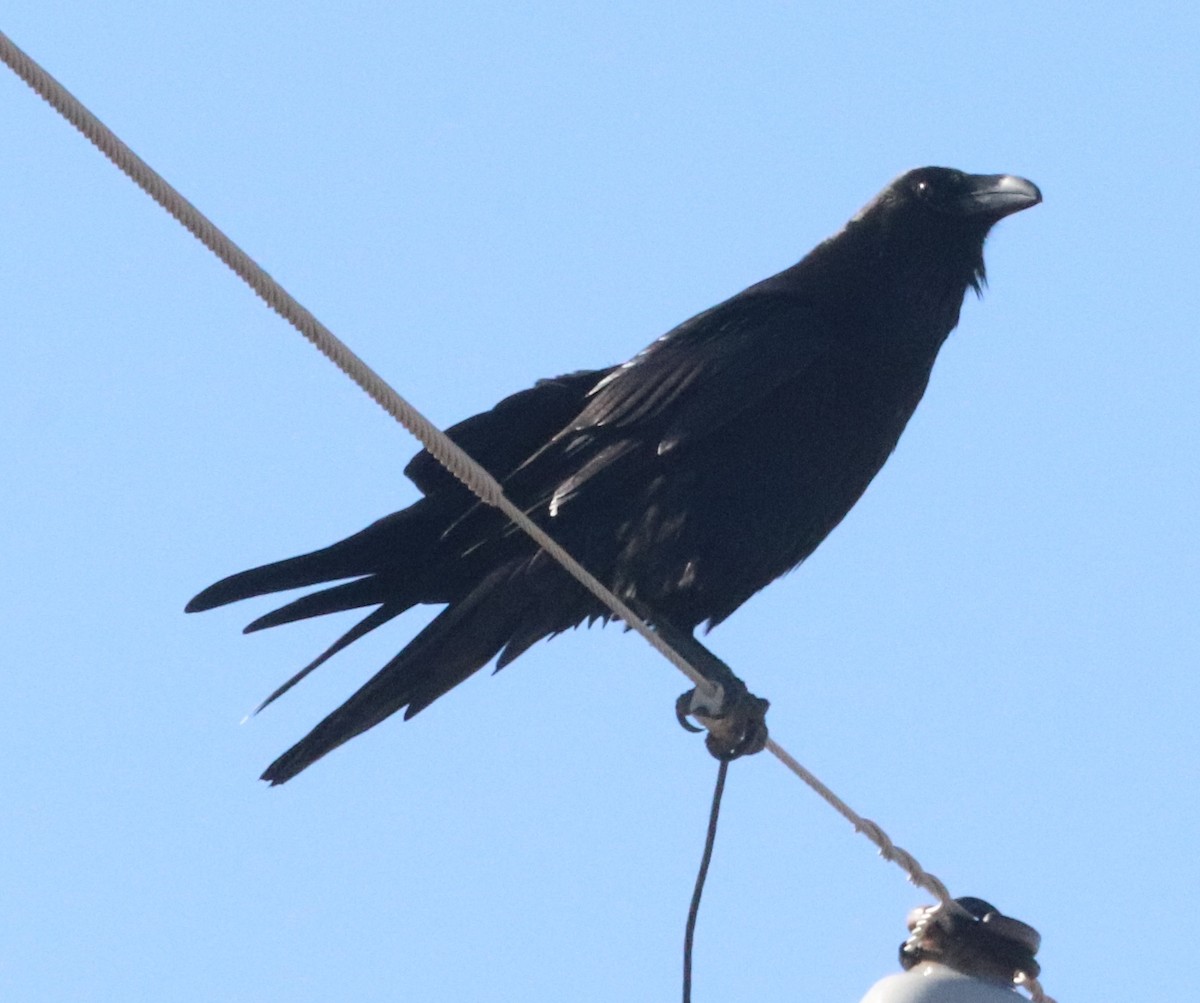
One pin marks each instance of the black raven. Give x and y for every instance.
(686, 479)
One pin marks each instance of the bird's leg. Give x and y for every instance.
(733, 716)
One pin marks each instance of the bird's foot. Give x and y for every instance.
(735, 719)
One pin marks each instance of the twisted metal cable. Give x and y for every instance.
(439, 445)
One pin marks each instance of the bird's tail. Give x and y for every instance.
(386, 563)
(458, 642)
(354, 557)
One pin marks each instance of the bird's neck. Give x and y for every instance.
(912, 290)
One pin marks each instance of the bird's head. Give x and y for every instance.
(943, 197)
(941, 214)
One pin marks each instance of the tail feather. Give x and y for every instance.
(456, 644)
(295, 573)
(364, 626)
(351, 595)
(402, 540)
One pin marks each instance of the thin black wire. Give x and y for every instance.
(705, 860)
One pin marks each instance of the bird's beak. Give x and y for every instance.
(999, 195)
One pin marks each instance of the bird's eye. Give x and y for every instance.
(924, 189)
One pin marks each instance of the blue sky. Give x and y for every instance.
(994, 656)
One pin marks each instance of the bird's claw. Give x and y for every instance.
(685, 705)
(736, 721)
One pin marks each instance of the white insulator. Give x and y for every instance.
(930, 982)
